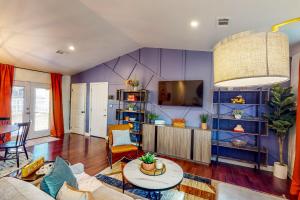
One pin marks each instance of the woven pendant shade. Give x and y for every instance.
(251, 59)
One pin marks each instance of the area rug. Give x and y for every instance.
(193, 187)
(10, 166)
(41, 140)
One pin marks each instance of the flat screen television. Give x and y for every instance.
(180, 93)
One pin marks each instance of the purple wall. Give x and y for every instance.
(150, 65)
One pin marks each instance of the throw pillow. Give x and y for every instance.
(121, 137)
(61, 173)
(67, 192)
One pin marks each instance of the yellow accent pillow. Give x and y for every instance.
(32, 167)
(67, 192)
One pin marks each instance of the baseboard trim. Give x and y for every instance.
(268, 168)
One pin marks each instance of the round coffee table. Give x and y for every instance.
(170, 179)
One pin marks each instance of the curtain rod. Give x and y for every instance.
(33, 70)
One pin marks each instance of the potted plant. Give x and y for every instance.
(281, 117)
(148, 161)
(204, 119)
(152, 117)
(237, 114)
(133, 83)
(131, 107)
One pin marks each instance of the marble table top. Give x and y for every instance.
(171, 178)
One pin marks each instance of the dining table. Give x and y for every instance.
(6, 129)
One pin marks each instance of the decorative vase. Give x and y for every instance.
(148, 167)
(135, 88)
(204, 126)
(130, 109)
(280, 171)
(238, 116)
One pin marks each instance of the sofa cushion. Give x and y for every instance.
(61, 173)
(66, 192)
(15, 189)
(107, 193)
(123, 148)
(87, 182)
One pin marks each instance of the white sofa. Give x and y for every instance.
(15, 189)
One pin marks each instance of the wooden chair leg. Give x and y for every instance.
(5, 155)
(17, 156)
(25, 151)
(109, 157)
(123, 185)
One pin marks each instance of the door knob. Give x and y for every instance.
(82, 111)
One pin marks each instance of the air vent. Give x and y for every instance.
(60, 52)
(223, 22)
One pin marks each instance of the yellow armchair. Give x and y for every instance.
(121, 148)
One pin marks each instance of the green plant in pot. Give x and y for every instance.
(237, 114)
(131, 107)
(148, 161)
(135, 84)
(204, 120)
(281, 118)
(152, 117)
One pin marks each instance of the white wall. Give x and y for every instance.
(32, 76)
(292, 135)
(66, 85)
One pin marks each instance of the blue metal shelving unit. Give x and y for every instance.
(139, 113)
(252, 121)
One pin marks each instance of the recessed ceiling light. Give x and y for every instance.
(71, 48)
(194, 24)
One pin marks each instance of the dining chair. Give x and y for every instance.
(121, 148)
(20, 141)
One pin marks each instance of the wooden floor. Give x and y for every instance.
(91, 152)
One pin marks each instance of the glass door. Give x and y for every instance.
(20, 108)
(31, 102)
(40, 109)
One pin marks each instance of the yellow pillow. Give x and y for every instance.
(67, 192)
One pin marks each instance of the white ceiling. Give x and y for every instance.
(32, 30)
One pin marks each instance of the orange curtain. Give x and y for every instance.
(295, 186)
(6, 84)
(57, 119)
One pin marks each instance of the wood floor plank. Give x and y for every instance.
(92, 153)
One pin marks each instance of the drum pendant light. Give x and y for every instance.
(251, 59)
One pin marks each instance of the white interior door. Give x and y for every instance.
(98, 109)
(31, 102)
(78, 104)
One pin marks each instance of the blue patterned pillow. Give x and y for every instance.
(61, 173)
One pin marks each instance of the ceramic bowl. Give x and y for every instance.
(238, 143)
